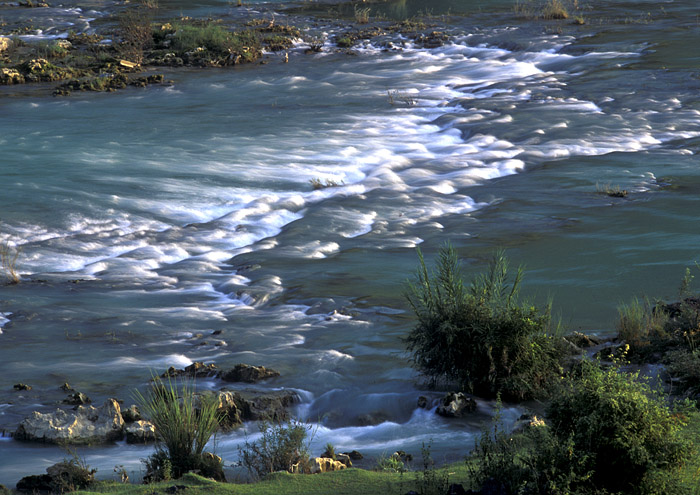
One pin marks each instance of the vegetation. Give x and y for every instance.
(606, 431)
(483, 337)
(184, 424)
(609, 190)
(8, 262)
(281, 447)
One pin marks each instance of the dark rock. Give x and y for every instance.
(22, 386)
(372, 419)
(175, 488)
(195, 370)
(240, 406)
(247, 373)
(355, 455)
(66, 388)
(456, 405)
(422, 402)
(132, 414)
(60, 478)
(77, 399)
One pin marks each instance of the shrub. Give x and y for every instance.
(391, 464)
(136, 33)
(281, 447)
(184, 424)
(481, 337)
(622, 428)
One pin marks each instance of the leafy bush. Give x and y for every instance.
(620, 426)
(391, 464)
(184, 424)
(482, 337)
(282, 447)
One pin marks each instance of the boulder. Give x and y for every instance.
(22, 386)
(240, 406)
(355, 455)
(83, 425)
(5, 43)
(247, 373)
(35, 483)
(325, 465)
(132, 414)
(63, 477)
(77, 399)
(10, 76)
(195, 370)
(422, 402)
(456, 405)
(344, 458)
(140, 432)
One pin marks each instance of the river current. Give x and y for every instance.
(149, 219)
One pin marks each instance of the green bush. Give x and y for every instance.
(281, 447)
(619, 425)
(483, 337)
(184, 424)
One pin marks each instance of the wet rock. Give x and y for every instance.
(325, 465)
(77, 399)
(195, 370)
(83, 425)
(434, 39)
(66, 388)
(140, 432)
(456, 405)
(372, 419)
(237, 407)
(344, 458)
(21, 386)
(132, 414)
(422, 402)
(247, 373)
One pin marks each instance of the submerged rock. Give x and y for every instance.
(456, 405)
(247, 373)
(22, 386)
(83, 425)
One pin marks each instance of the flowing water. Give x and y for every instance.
(149, 219)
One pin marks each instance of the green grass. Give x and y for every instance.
(346, 482)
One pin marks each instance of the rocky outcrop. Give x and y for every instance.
(83, 425)
(140, 432)
(456, 405)
(325, 465)
(247, 373)
(195, 370)
(5, 43)
(11, 76)
(239, 406)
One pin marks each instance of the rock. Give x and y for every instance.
(22, 386)
(402, 456)
(422, 402)
(582, 340)
(325, 465)
(345, 459)
(10, 76)
(77, 399)
(526, 421)
(212, 466)
(247, 373)
(237, 407)
(65, 44)
(140, 432)
(195, 370)
(372, 419)
(5, 43)
(355, 455)
(456, 405)
(66, 388)
(132, 414)
(83, 425)
(66, 476)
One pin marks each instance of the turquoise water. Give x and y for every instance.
(147, 219)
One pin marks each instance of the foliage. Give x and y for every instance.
(429, 480)
(70, 475)
(330, 451)
(622, 428)
(280, 447)
(183, 423)
(136, 32)
(391, 464)
(554, 9)
(8, 262)
(482, 337)
(638, 321)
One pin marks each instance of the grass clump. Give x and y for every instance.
(614, 191)
(281, 447)
(481, 336)
(184, 424)
(554, 9)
